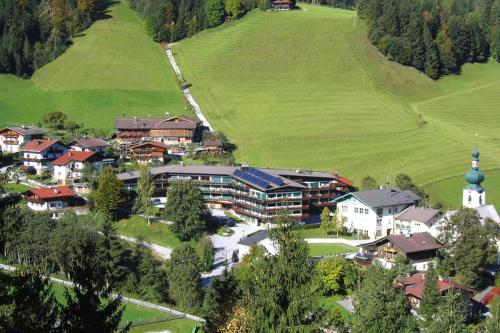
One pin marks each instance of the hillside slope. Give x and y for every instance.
(305, 89)
(112, 68)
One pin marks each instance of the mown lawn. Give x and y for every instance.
(157, 233)
(113, 68)
(330, 303)
(318, 233)
(290, 93)
(14, 187)
(317, 250)
(174, 326)
(132, 312)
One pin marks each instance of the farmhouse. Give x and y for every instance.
(51, 199)
(173, 130)
(413, 286)
(12, 138)
(148, 151)
(371, 214)
(256, 194)
(39, 154)
(420, 249)
(69, 167)
(214, 148)
(94, 144)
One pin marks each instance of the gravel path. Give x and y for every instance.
(186, 91)
(162, 251)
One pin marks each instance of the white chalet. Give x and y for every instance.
(39, 154)
(50, 199)
(12, 138)
(418, 219)
(69, 167)
(371, 214)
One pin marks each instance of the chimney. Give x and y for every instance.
(56, 190)
(440, 278)
(381, 187)
(244, 167)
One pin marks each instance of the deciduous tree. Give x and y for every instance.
(109, 195)
(368, 183)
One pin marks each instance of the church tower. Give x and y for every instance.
(473, 195)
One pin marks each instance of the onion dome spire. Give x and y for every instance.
(475, 177)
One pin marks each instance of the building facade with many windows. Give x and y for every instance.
(256, 194)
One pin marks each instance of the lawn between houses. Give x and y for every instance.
(113, 68)
(290, 94)
(320, 250)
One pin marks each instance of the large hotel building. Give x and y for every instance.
(256, 194)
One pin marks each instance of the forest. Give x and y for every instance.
(434, 36)
(173, 20)
(35, 32)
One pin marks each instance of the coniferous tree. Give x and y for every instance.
(380, 306)
(215, 12)
(220, 300)
(185, 207)
(27, 303)
(450, 315)
(492, 323)
(145, 190)
(109, 195)
(431, 297)
(183, 274)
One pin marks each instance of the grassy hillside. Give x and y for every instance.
(306, 89)
(113, 67)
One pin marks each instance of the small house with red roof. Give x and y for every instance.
(52, 198)
(40, 154)
(69, 167)
(413, 286)
(148, 152)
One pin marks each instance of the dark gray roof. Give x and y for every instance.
(419, 214)
(254, 238)
(156, 123)
(384, 197)
(28, 130)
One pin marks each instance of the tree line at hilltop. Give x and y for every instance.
(35, 32)
(436, 37)
(173, 20)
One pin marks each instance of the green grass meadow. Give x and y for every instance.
(156, 233)
(305, 89)
(112, 68)
(318, 250)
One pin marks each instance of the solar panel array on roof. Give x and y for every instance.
(252, 179)
(261, 174)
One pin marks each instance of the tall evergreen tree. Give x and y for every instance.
(215, 12)
(451, 314)
(492, 324)
(185, 207)
(109, 195)
(431, 297)
(380, 306)
(145, 190)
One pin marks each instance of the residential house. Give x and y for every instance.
(68, 168)
(418, 219)
(260, 237)
(172, 130)
(419, 249)
(413, 286)
(39, 154)
(486, 296)
(52, 199)
(148, 152)
(254, 194)
(93, 144)
(214, 148)
(282, 4)
(372, 213)
(12, 138)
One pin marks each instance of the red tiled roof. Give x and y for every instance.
(345, 180)
(38, 145)
(78, 156)
(414, 285)
(52, 192)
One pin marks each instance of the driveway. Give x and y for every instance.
(224, 246)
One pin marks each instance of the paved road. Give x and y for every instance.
(127, 299)
(224, 246)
